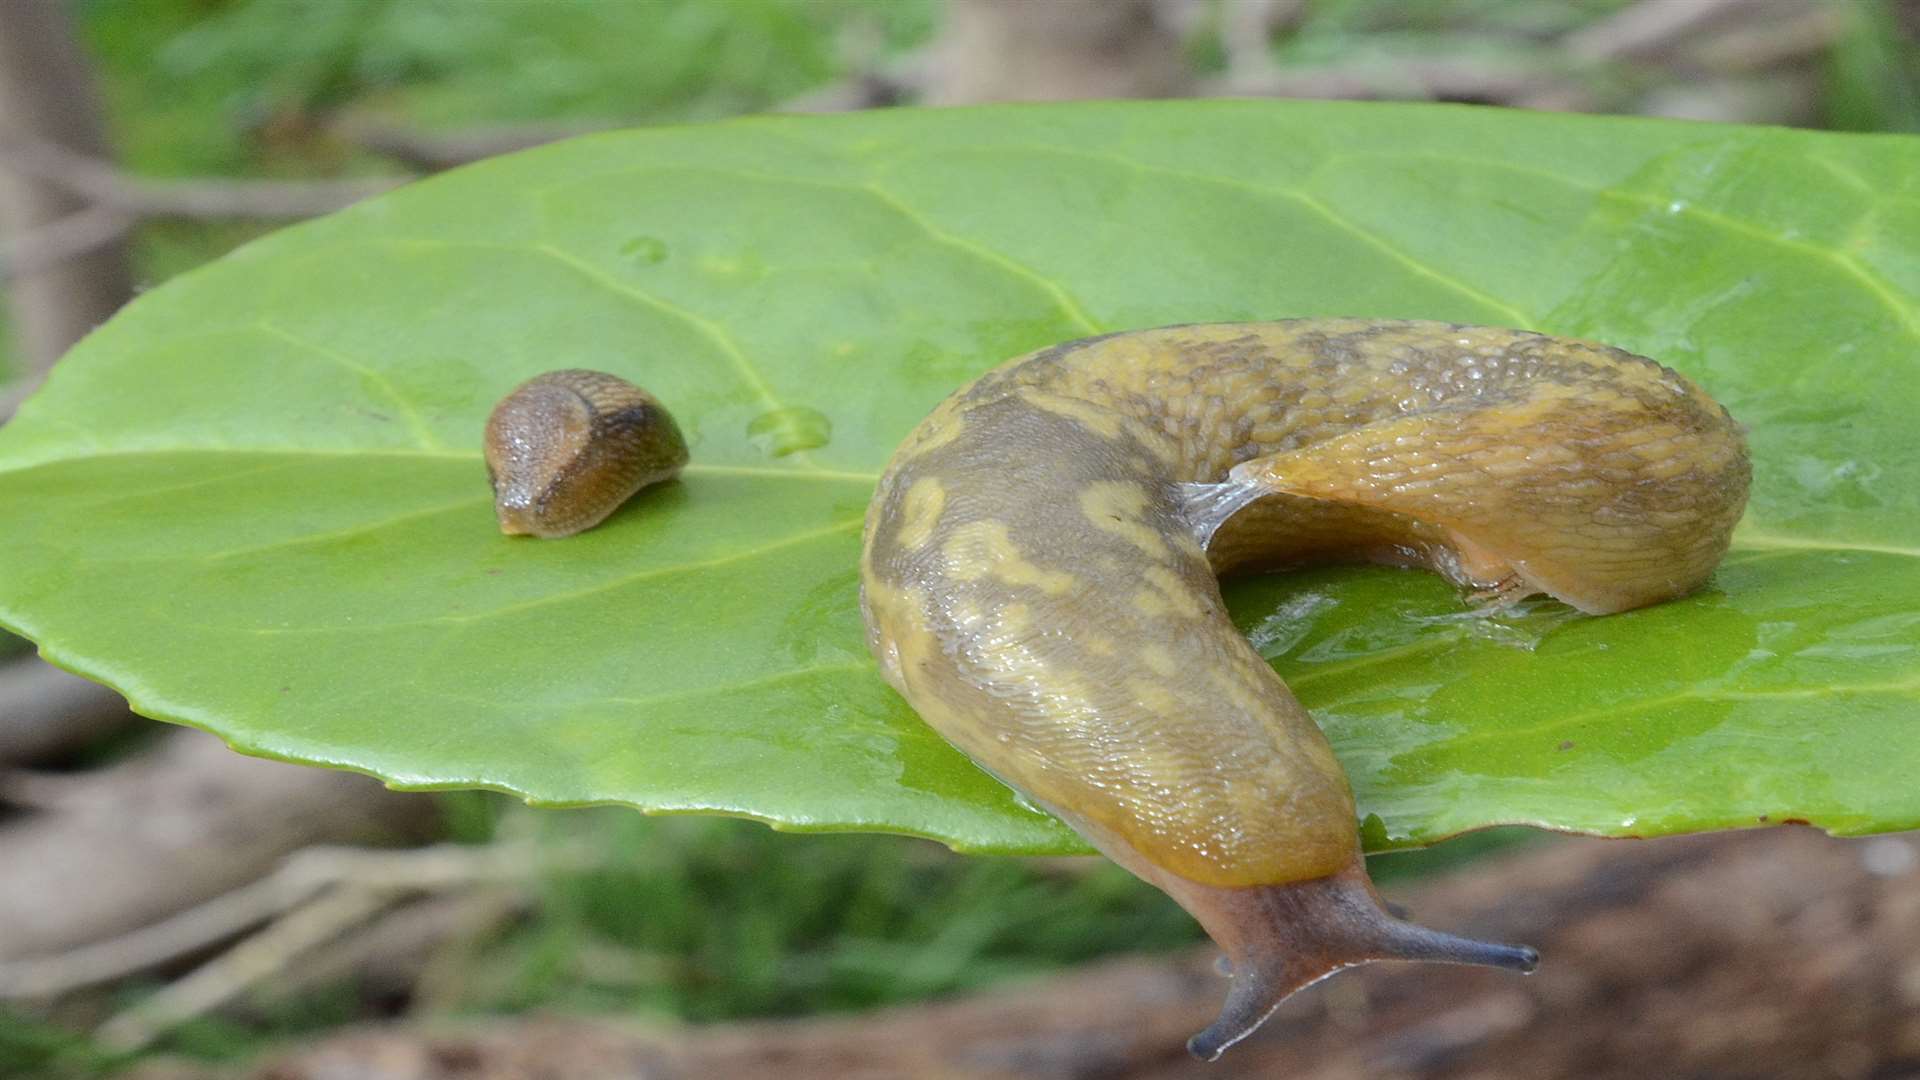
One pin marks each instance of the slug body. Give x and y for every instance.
(566, 448)
(1040, 580)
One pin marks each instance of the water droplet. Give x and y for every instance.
(790, 430)
(646, 249)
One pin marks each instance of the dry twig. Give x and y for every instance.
(47, 94)
(432, 151)
(353, 885)
(196, 200)
(188, 820)
(114, 202)
(79, 233)
(422, 948)
(307, 879)
(1247, 28)
(220, 980)
(1438, 79)
(1651, 28)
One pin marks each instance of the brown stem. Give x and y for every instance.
(46, 96)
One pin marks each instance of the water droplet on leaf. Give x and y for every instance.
(646, 249)
(790, 430)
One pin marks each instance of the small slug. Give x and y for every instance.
(566, 448)
(1039, 579)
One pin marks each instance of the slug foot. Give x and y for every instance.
(1283, 938)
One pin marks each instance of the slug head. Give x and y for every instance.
(1283, 938)
(566, 448)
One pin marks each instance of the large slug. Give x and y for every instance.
(566, 448)
(1039, 580)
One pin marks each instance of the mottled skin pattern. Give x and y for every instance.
(566, 448)
(1040, 570)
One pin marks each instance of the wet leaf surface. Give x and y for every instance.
(254, 501)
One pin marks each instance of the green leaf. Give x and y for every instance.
(254, 503)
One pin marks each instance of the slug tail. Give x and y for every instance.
(1283, 938)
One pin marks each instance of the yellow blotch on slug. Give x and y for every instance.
(920, 511)
(1151, 603)
(1158, 660)
(1155, 697)
(897, 625)
(1233, 685)
(1180, 596)
(981, 549)
(1117, 507)
(1016, 620)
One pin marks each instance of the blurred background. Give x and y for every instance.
(168, 909)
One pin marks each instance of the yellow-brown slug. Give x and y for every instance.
(1040, 580)
(566, 448)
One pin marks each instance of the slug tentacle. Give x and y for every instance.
(1040, 570)
(1281, 938)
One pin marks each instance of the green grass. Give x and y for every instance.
(34, 1047)
(201, 86)
(713, 919)
(1872, 81)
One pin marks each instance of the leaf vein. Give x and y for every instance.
(1000, 261)
(310, 539)
(1628, 708)
(652, 573)
(1006, 264)
(718, 689)
(1379, 243)
(1776, 542)
(711, 330)
(1869, 280)
(415, 421)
